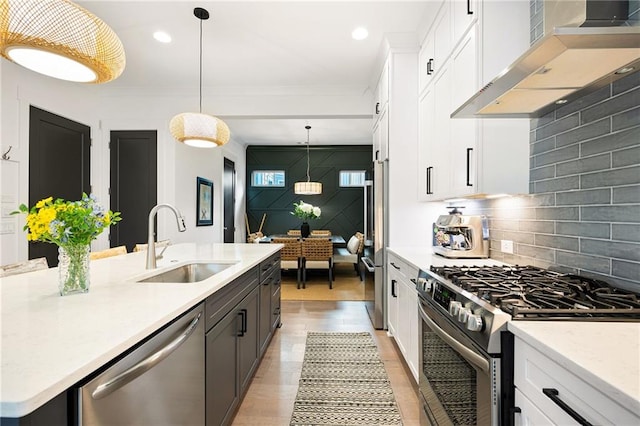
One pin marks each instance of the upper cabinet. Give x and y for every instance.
(380, 116)
(470, 157)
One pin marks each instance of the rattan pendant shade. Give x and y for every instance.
(60, 39)
(195, 128)
(308, 187)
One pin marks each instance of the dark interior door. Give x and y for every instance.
(134, 184)
(229, 200)
(59, 165)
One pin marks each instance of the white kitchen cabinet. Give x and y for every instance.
(436, 47)
(381, 137)
(536, 373)
(434, 135)
(402, 311)
(471, 157)
(464, 13)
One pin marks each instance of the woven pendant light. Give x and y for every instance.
(60, 39)
(195, 128)
(308, 187)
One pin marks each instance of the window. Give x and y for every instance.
(351, 178)
(267, 178)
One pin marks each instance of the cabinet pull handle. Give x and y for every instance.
(553, 395)
(413, 280)
(377, 154)
(469, 11)
(514, 411)
(377, 108)
(147, 363)
(429, 191)
(394, 265)
(469, 151)
(430, 66)
(243, 324)
(393, 288)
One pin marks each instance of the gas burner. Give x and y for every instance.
(529, 292)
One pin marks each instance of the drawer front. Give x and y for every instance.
(268, 266)
(534, 372)
(405, 269)
(529, 414)
(224, 300)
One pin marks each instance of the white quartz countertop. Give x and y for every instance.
(424, 258)
(604, 354)
(50, 342)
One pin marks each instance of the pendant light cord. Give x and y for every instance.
(308, 177)
(200, 66)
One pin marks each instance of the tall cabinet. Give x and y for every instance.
(460, 54)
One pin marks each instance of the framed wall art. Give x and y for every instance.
(204, 202)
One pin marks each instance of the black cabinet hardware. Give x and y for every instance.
(377, 108)
(430, 66)
(554, 395)
(469, 151)
(393, 288)
(413, 280)
(243, 326)
(429, 191)
(394, 265)
(469, 11)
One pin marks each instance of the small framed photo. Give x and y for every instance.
(204, 202)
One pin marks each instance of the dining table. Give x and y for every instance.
(335, 239)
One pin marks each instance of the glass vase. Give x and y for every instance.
(73, 268)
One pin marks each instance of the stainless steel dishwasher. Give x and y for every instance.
(159, 383)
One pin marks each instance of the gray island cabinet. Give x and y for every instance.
(241, 314)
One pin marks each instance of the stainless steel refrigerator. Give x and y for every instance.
(376, 201)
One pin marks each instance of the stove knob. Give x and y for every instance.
(454, 308)
(463, 315)
(424, 284)
(475, 323)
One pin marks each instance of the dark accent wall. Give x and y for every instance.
(342, 208)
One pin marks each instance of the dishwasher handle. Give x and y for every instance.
(146, 364)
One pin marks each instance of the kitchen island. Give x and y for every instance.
(50, 343)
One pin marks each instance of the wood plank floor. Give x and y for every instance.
(269, 400)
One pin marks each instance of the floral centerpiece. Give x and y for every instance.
(71, 225)
(305, 211)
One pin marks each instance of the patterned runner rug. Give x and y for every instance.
(343, 382)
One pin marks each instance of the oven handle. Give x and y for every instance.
(467, 353)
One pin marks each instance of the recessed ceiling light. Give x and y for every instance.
(162, 37)
(360, 33)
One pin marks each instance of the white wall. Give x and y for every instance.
(103, 112)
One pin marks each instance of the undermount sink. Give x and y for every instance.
(189, 273)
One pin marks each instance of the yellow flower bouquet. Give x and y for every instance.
(71, 225)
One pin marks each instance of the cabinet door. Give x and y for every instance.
(426, 144)
(464, 13)
(248, 338)
(392, 301)
(441, 38)
(464, 132)
(265, 312)
(403, 337)
(441, 149)
(381, 138)
(221, 356)
(529, 414)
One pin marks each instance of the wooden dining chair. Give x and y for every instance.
(351, 254)
(23, 267)
(113, 251)
(159, 244)
(317, 253)
(321, 233)
(294, 232)
(290, 255)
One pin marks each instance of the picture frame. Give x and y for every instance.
(204, 202)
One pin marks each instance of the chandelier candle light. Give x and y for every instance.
(195, 128)
(308, 187)
(60, 39)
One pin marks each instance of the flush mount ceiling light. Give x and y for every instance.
(195, 128)
(308, 187)
(360, 33)
(60, 39)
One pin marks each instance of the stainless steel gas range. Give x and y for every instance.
(466, 360)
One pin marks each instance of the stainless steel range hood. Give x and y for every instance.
(565, 64)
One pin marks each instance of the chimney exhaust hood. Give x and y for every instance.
(565, 64)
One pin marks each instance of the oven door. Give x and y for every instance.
(459, 384)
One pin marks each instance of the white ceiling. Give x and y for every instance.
(298, 52)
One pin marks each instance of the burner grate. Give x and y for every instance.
(529, 292)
